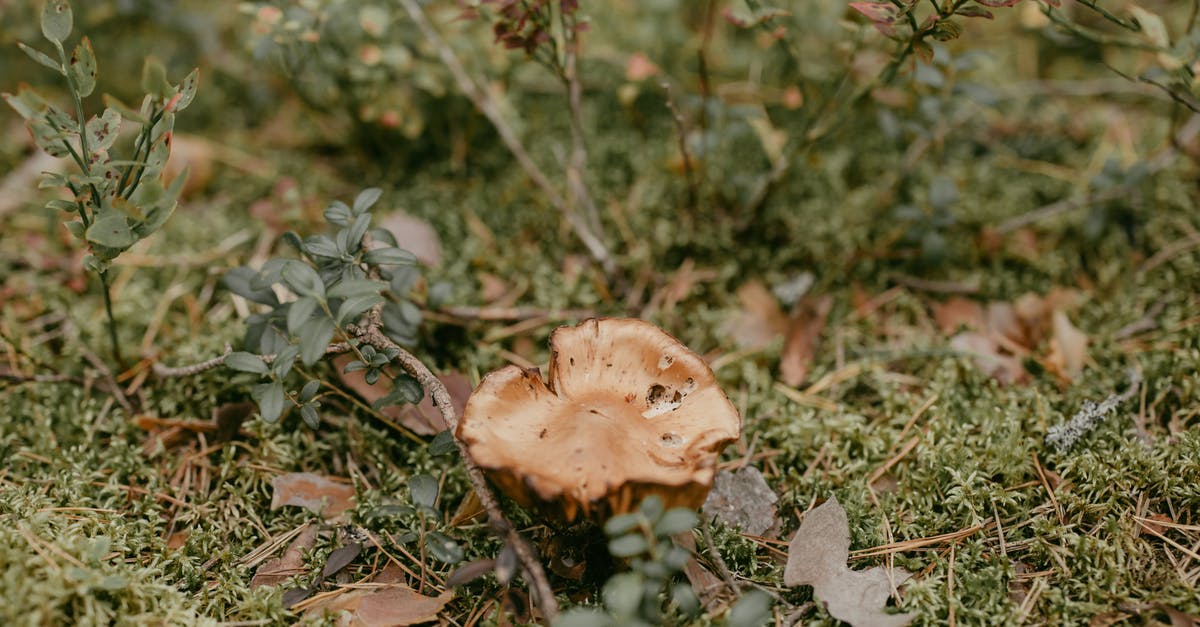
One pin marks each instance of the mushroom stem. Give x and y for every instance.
(372, 333)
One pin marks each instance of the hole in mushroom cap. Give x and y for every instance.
(660, 401)
(688, 385)
(671, 439)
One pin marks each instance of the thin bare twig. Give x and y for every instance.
(681, 131)
(372, 333)
(483, 101)
(167, 372)
(577, 164)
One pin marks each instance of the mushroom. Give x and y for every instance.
(627, 411)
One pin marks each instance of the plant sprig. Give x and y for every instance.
(117, 202)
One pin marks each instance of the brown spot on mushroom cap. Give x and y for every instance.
(594, 440)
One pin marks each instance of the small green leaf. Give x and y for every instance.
(366, 198)
(752, 610)
(81, 68)
(299, 313)
(309, 390)
(358, 229)
(270, 398)
(651, 507)
(321, 246)
(102, 130)
(154, 79)
(676, 558)
(628, 545)
(285, 358)
(75, 227)
(354, 366)
(112, 231)
(390, 257)
(353, 307)
(309, 413)
(685, 599)
(314, 339)
(246, 362)
(423, 489)
(442, 444)
(27, 102)
(187, 90)
(42, 58)
(443, 548)
(56, 20)
(621, 524)
(59, 204)
(303, 280)
(623, 594)
(409, 389)
(338, 213)
(127, 112)
(238, 281)
(676, 521)
(356, 287)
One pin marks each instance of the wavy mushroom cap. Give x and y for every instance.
(628, 411)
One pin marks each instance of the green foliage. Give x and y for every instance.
(642, 539)
(361, 59)
(337, 280)
(118, 201)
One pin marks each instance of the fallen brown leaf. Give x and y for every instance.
(1068, 347)
(278, 570)
(743, 500)
(803, 334)
(383, 606)
(760, 321)
(988, 358)
(315, 493)
(959, 312)
(817, 557)
(416, 236)
(422, 418)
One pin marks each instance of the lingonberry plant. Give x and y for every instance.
(117, 201)
(336, 282)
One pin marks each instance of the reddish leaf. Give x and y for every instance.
(972, 11)
(278, 570)
(996, 4)
(423, 418)
(958, 312)
(388, 605)
(1068, 347)
(876, 11)
(318, 494)
(801, 344)
(639, 67)
(760, 321)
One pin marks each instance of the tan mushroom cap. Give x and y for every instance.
(628, 411)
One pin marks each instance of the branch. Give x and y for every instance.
(167, 372)
(371, 333)
(484, 102)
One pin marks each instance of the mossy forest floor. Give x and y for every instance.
(145, 518)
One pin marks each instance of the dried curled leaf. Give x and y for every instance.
(817, 557)
(319, 495)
